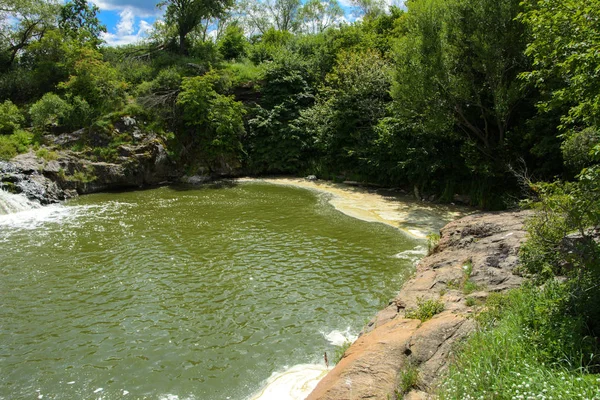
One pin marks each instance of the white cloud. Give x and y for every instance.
(145, 28)
(126, 24)
(127, 31)
(141, 8)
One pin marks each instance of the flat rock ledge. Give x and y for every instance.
(371, 368)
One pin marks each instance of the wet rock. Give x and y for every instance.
(50, 181)
(196, 179)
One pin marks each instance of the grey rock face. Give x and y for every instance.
(49, 181)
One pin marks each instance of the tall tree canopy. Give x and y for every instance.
(319, 15)
(460, 61)
(79, 19)
(283, 15)
(21, 23)
(186, 15)
(566, 57)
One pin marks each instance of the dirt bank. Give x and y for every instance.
(476, 255)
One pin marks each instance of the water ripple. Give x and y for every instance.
(188, 294)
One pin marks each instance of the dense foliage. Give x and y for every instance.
(446, 97)
(477, 100)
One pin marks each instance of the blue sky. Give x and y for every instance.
(127, 21)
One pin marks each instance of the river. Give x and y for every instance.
(222, 292)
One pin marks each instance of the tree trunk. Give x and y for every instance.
(182, 46)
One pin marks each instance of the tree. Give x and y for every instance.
(214, 122)
(460, 61)
(21, 23)
(370, 8)
(94, 80)
(354, 98)
(566, 61)
(274, 146)
(285, 13)
(187, 15)
(10, 118)
(262, 16)
(78, 19)
(233, 43)
(316, 16)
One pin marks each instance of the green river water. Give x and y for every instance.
(185, 293)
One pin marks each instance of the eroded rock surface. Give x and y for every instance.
(480, 249)
(68, 173)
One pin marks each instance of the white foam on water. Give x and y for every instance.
(174, 397)
(13, 203)
(415, 255)
(340, 338)
(417, 233)
(37, 215)
(295, 383)
(33, 218)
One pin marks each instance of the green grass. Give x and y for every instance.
(433, 240)
(469, 287)
(409, 379)
(339, 352)
(528, 347)
(425, 310)
(82, 176)
(245, 72)
(46, 154)
(466, 285)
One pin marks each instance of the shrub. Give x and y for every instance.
(213, 121)
(46, 154)
(245, 72)
(560, 240)
(576, 148)
(10, 118)
(233, 44)
(80, 115)
(95, 81)
(11, 145)
(425, 310)
(49, 110)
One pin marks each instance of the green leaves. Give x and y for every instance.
(49, 110)
(566, 60)
(349, 105)
(79, 20)
(214, 121)
(10, 118)
(187, 15)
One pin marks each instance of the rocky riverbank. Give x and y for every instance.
(56, 172)
(475, 256)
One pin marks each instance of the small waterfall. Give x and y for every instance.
(13, 203)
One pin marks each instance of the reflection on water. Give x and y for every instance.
(186, 294)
